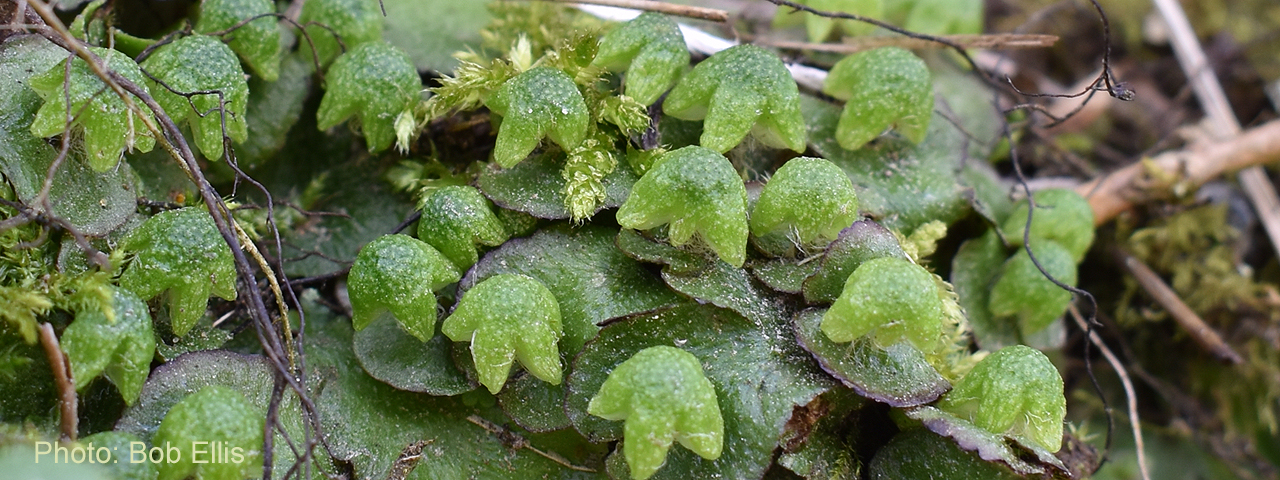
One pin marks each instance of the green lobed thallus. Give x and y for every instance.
(182, 252)
(1060, 235)
(509, 317)
(399, 273)
(663, 397)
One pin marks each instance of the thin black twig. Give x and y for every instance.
(26, 215)
(1092, 316)
(515, 441)
(319, 279)
(170, 137)
(882, 24)
(413, 217)
(315, 57)
(165, 40)
(187, 30)
(293, 206)
(1115, 89)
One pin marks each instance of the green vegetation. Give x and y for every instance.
(784, 281)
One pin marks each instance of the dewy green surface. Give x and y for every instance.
(759, 373)
(891, 299)
(117, 442)
(274, 108)
(672, 259)
(1062, 216)
(898, 375)
(882, 88)
(784, 274)
(974, 269)
(399, 273)
(256, 42)
(366, 422)
(121, 347)
(901, 184)
(919, 454)
(375, 83)
(390, 354)
(537, 186)
(354, 21)
(808, 201)
(740, 90)
(93, 202)
(662, 396)
(541, 102)
(864, 240)
(369, 423)
(182, 252)
(455, 219)
(22, 58)
(944, 17)
(1017, 392)
(652, 51)
(741, 336)
(591, 279)
(509, 317)
(216, 420)
(1022, 291)
(694, 190)
(249, 375)
(1024, 457)
(729, 287)
(109, 128)
(430, 31)
(349, 185)
(200, 63)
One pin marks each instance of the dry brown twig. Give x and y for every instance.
(1119, 191)
(701, 13)
(1131, 398)
(859, 44)
(1201, 332)
(1223, 121)
(516, 442)
(67, 402)
(278, 353)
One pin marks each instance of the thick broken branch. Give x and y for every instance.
(1261, 193)
(1118, 191)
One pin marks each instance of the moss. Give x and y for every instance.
(1195, 251)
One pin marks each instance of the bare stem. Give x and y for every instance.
(1201, 332)
(516, 442)
(68, 403)
(1130, 396)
